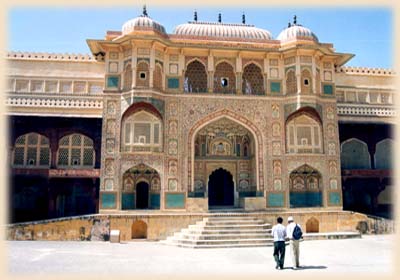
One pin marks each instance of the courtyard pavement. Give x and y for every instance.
(367, 255)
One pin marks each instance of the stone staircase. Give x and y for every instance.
(224, 232)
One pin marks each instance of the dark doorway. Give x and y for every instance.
(142, 195)
(220, 188)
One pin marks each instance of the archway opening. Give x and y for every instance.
(312, 225)
(139, 230)
(220, 188)
(141, 187)
(142, 195)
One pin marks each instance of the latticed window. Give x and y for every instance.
(303, 135)
(224, 78)
(142, 132)
(75, 150)
(291, 83)
(195, 77)
(157, 79)
(31, 149)
(253, 81)
(306, 85)
(142, 74)
(128, 77)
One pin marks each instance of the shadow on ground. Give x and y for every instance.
(304, 267)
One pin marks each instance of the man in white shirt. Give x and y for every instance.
(293, 244)
(279, 234)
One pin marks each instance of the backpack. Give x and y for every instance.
(297, 233)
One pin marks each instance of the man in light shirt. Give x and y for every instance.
(279, 234)
(293, 244)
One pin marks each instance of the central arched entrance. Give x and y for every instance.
(220, 188)
(142, 195)
(141, 187)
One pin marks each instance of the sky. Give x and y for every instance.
(366, 32)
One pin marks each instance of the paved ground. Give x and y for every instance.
(370, 254)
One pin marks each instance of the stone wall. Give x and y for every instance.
(160, 226)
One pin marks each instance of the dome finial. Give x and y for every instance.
(145, 11)
(219, 17)
(195, 15)
(243, 18)
(295, 20)
(289, 25)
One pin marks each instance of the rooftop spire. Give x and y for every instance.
(145, 11)
(295, 20)
(243, 18)
(219, 17)
(195, 15)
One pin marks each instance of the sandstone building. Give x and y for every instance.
(212, 116)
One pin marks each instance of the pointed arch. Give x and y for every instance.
(195, 76)
(143, 74)
(31, 149)
(354, 154)
(75, 150)
(158, 76)
(306, 82)
(224, 78)
(291, 82)
(127, 77)
(252, 79)
(304, 131)
(253, 129)
(383, 154)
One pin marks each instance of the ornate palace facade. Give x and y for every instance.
(213, 115)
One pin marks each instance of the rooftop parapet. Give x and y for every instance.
(50, 56)
(365, 71)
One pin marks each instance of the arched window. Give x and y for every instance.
(76, 151)
(304, 135)
(291, 82)
(142, 74)
(253, 80)
(224, 78)
(142, 131)
(157, 79)
(354, 155)
(31, 149)
(195, 77)
(306, 82)
(128, 77)
(383, 154)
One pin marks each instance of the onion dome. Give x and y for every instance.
(142, 23)
(296, 32)
(221, 30)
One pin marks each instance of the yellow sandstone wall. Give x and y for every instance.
(97, 227)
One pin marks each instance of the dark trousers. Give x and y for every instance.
(279, 253)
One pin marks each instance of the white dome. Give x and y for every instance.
(142, 23)
(297, 32)
(222, 30)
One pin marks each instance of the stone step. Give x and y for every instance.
(231, 227)
(223, 241)
(230, 231)
(223, 236)
(233, 222)
(240, 217)
(216, 246)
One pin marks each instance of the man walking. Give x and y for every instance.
(294, 233)
(279, 234)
